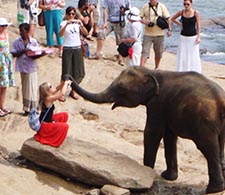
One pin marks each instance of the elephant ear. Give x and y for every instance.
(150, 87)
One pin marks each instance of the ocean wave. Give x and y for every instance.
(218, 53)
(213, 35)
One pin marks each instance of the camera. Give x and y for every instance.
(24, 4)
(74, 22)
(123, 9)
(151, 24)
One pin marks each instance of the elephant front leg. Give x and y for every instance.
(170, 144)
(151, 145)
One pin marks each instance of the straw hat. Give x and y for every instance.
(4, 22)
(133, 14)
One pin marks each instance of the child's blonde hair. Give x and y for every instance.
(43, 93)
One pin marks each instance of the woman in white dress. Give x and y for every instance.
(188, 56)
(133, 36)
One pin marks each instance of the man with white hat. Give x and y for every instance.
(133, 36)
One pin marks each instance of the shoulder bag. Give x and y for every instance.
(161, 21)
(41, 21)
(125, 49)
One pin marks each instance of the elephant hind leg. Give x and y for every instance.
(210, 149)
(221, 145)
(170, 143)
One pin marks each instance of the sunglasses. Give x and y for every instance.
(186, 4)
(3, 25)
(71, 14)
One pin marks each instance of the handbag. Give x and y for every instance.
(161, 21)
(41, 21)
(33, 119)
(124, 49)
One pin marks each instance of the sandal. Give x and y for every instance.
(120, 62)
(6, 110)
(2, 113)
(74, 95)
(94, 57)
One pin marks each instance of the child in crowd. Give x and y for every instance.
(54, 127)
(6, 69)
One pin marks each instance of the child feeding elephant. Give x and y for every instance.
(54, 127)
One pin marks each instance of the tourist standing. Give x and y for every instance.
(133, 36)
(27, 12)
(53, 18)
(113, 20)
(84, 12)
(72, 58)
(153, 33)
(188, 56)
(6, 67)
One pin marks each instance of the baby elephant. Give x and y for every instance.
(184, 104)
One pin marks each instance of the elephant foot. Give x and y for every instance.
(212, 188)
(169, 175)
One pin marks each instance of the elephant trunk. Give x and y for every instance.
(102, 97)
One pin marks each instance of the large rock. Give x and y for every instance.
(90, 163)
(219, 21)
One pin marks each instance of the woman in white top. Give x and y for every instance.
(72, 58)
(133, 36)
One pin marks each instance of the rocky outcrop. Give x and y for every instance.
(90, 164)
(219, 21)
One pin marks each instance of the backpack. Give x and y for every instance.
(33, 119)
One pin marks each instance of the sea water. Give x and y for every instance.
(212, 44)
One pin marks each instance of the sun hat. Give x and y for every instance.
(4, 22)
(133, 14)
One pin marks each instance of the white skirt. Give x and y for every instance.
(188, 56)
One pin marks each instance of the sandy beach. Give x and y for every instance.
(113, 129)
